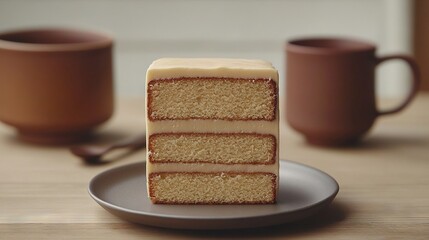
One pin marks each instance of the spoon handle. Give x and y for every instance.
(133, 142)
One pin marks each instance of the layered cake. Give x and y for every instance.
(212, 131)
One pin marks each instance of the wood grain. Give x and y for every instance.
(383, 185)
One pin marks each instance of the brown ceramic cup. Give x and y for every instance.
(330, 88)
(55, 84)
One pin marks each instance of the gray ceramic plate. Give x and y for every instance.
(303, 191)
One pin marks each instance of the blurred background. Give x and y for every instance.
(149, 29)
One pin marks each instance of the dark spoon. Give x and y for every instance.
(93, 154)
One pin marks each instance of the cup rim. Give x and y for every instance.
(329, 45)
(98, 40)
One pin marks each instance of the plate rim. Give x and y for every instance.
(180, 217)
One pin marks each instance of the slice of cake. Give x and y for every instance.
(212, 131)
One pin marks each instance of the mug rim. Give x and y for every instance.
(95, 40)
(329, 45)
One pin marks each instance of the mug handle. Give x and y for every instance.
(416, 81)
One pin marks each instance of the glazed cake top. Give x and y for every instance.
(167, 68)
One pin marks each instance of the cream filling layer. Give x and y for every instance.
(212, 126)
(211, 167)
(167, 68)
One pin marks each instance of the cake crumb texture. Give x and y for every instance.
(234, 148)
(212, 98)
(212, 188)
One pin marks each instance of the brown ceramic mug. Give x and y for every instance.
(55, 84)
(330, 92)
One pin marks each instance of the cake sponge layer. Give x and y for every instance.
(212, 188)
(238, 148)
(212, 98)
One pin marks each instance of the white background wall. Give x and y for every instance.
(150, 29)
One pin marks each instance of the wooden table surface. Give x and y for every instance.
(384, 185)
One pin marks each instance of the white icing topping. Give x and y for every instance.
(166, 68)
